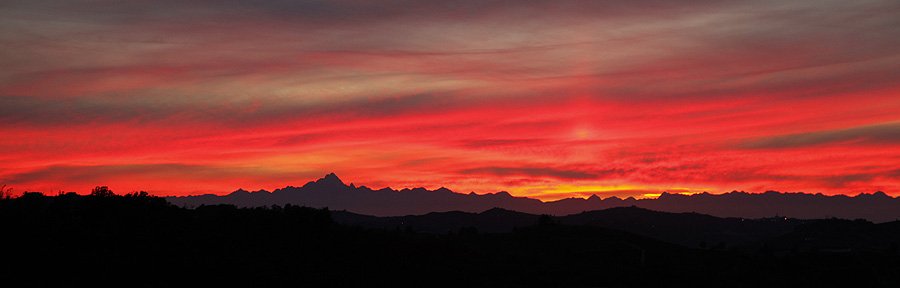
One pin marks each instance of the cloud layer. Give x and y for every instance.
(541, 98)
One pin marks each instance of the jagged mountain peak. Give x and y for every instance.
(330, 178)
(329, 182)
(239, 191)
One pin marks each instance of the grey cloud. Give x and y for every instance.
(842, 181)
(43, 112)
(881, 134)
(797, 38)
(98, 173)
(359, 11)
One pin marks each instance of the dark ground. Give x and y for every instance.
(137, 240)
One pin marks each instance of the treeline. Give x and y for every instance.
(138, 240)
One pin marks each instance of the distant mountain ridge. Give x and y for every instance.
(330, 191)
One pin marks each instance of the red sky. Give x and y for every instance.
(546, 99)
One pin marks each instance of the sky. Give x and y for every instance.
(545, 99)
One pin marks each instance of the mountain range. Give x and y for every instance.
(331, 192)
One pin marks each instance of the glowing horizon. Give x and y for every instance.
(544, 99)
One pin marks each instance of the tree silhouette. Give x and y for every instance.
(546, 220)
(102, 191)
(5, 192)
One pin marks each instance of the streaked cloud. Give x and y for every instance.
(879, 134)
(558, 173)
(534, 97)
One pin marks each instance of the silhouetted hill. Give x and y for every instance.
(689, 229)
(331, 192)
(496, 220)
(839, 236)
(143, 241)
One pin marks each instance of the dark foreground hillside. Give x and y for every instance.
(137, 240)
